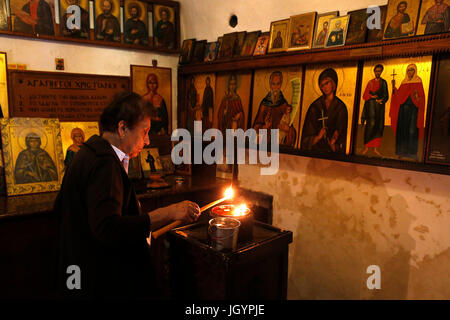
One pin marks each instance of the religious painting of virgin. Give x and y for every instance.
(3, 86)
(165, 27)
(439, 138)
(155, 86)
(73, 135)
(135, 24)
(186, 51)
(393, 106)
(276, 103)
(262, 44)
(434, 17)
(401, 18)
(33, 156)
(327, 108)
(321, 28)
(357, 27)
(3, 16)
(227, 47)
(338, 31)
(374, 35)
(211, 51)
(249, 44)
(231, 103)
(107, 17)
(279, 31)
(301, 28)
(74, 32)
(33, 16)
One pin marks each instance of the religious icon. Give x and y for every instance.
(321, 28)
(240, 38)
(83, 31)
(262, 44)
(278, 35)
(250, 41)
(134, 168)
(150, 161)
(434, 17)
(439, 138)
(199, 51)
(3, 86)
(327, 110)
(204, 108)
(164, 27)
(338, 31)
(276, 102)
(357, 27)
(232, 101)
(227, 48)
(59, 64)
(301, 28)
(33, 16)
(33, 155)
(155, 86)
(73, 135)
(167, 164)
(401, 18)
(135, 22)
(186, 51)
(3, 16)
(391, 124)
(211, 51)
(374, 35)
(107, 25)
(375, 96)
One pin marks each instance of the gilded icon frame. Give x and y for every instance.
(12, 131)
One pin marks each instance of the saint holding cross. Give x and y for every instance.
(325, 126)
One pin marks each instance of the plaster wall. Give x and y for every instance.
(39, 55)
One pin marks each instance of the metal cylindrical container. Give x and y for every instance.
(245, 217)
(223, 233)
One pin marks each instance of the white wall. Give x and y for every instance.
(208, 19)
(90, 59)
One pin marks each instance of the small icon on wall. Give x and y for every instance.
(59, 64)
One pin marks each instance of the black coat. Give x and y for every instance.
(101, 227)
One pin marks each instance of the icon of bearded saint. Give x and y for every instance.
(135, 28)
(107, 25)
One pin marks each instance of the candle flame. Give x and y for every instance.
(229, 193)
(240, 210)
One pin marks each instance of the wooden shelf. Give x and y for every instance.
(373, 161)
(413, 46)
(89, 42)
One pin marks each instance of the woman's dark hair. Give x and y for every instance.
(126, 106)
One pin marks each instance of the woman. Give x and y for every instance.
(407, 113)
(325, 126)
